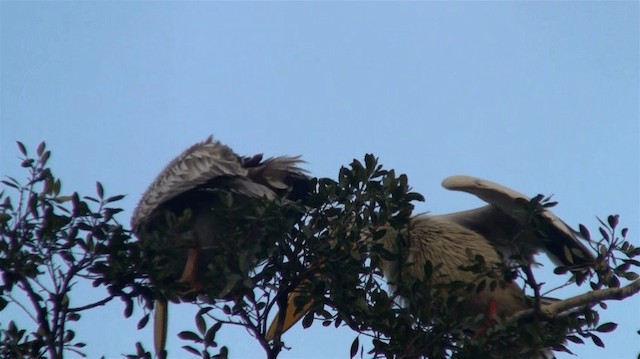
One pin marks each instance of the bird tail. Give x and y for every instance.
(160, 326)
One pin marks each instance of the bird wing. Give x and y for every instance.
(197, 165)
(277, 172)
(207, 167)
(506, 223)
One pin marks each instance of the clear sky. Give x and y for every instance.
(541, 97)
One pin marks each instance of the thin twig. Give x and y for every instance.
(13, 300)
(92, 305)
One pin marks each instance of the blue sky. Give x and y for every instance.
(541, 97)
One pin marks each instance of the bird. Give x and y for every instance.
(500, 232)
(190, 190)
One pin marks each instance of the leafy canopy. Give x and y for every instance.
(50, 242)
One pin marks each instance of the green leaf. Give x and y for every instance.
(354, 347)
(21, 147)
(224, 353)
(114, 198)
(68, 336)
(128, 307)
(607, 327)
(191, 350)
(584, 232)
(205, 310)
(139, 349)
(143, 322)
(89, 198)
(597, 341)
(370, 162)
(27, 163)
(7, 183)
(201, 324)
(217, 326)
(631, 276)
(40, 148)
(604, 234)
(575, 339)
(187, 335)
(99, 190)
(561, 270)
(210, 336)
(44, 158)
(307, 320)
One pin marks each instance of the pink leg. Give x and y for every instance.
(189, 273)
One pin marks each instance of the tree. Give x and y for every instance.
(50, 242)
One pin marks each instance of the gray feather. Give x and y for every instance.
(505, 223)
(210, 161)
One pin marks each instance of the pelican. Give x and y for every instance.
(188, 189)
(500, 232)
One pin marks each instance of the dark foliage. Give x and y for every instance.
(50, 242)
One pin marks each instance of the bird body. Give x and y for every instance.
(500, 232)
(450, 248)
(208, 166)
(207, 237)
(191, 185)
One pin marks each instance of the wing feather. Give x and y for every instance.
(197, 165)
(505, 222)
(210, 165)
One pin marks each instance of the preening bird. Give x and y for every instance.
(499, 232)
(182, 207)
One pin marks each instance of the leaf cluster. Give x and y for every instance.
(49, 242)
(325, 247)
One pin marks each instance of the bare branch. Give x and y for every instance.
(22, 306)
(92, 305)
(583, 300)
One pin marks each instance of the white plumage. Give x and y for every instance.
(499, 232)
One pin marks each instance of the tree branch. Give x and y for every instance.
(92, 305)
(43, 319)
(583, 300)
(22, 306)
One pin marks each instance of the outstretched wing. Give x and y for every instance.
(506, 223)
